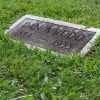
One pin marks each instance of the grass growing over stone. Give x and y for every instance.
(34, 75)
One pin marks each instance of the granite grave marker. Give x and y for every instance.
(60, 37)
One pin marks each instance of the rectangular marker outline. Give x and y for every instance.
(85, 49)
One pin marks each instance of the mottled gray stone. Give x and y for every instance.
(60, 37)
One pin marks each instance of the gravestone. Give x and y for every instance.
(60, 37)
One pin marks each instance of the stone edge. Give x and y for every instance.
(91, 43)
(86, 48)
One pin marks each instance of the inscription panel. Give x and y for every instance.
(59, 38)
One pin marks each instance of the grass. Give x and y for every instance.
(34, 75)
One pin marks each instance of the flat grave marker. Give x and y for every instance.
(59, 36)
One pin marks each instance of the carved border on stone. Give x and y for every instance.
(86, 48)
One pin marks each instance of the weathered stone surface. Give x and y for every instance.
(60, 37)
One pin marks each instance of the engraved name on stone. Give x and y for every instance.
(44, 34)
(51, 30)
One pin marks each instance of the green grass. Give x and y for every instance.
(41, 74)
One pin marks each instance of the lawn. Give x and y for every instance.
(34, 75)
